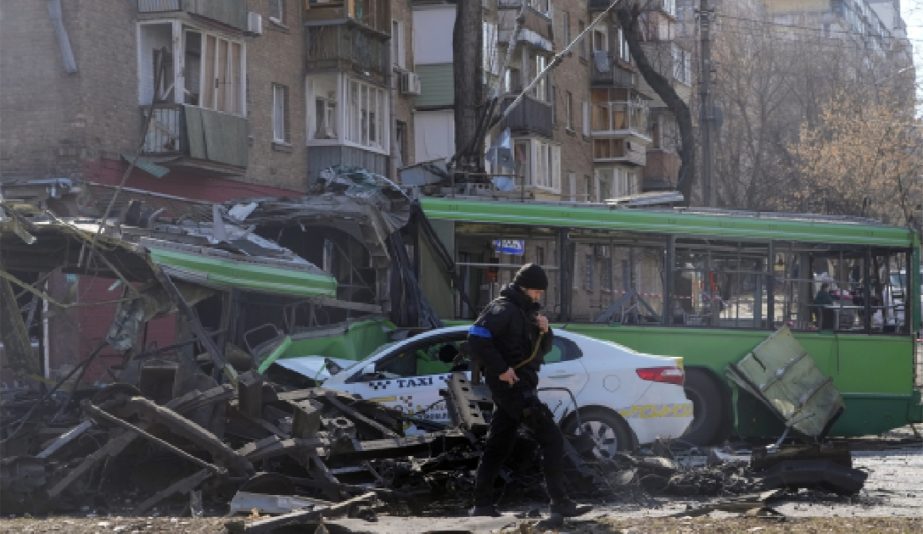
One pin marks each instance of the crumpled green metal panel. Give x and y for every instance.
(781, 373)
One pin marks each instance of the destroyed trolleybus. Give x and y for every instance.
(706, 285)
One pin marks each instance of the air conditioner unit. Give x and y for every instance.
(254, 23)
(410, 83)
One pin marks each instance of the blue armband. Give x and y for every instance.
(479, 331)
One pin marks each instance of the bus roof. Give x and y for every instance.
(736, 225)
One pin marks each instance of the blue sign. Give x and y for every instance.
(516, 247)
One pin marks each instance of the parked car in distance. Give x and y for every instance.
(624, 397)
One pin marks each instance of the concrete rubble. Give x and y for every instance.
(207, 427)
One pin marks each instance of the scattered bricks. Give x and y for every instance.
(307, 418)
(250, 393)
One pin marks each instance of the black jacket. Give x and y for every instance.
(504, 335)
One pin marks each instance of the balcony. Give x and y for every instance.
(536, 28)
(530, 116)
(232, 13)
(620, 120)
(625, 151)
(606, 72)
(661, 170)
(343, 47)
(190, 136)
(373, 14)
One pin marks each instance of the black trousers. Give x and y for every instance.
(510, 412)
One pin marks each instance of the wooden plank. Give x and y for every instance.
(303, 516)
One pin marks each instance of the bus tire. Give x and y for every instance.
(607, 428)
(707, 407)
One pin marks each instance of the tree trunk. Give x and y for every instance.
(628, 19)
(467, 46)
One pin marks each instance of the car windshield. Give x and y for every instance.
(376, 352)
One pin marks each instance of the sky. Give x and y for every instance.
(912, 11)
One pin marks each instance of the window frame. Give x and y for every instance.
(281, 111)
(398, 49)
(277, 7)
(179, 31)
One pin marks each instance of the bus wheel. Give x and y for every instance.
(607, 429)
(707, 407)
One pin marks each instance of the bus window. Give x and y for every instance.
(719, 284)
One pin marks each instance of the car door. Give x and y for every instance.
(409, 378)
(562, 375)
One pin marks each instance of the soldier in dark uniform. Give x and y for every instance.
(509, 340)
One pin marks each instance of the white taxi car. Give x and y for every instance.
(624, 397)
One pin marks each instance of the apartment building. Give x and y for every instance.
(209, 99)
(585, 131)
(219, 80)
(875, 26)
(245, 97)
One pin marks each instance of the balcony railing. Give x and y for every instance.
(534, 20)
(230, 12)
(194, 133)
(605, 72)
(619, 151)
(529, 116)
(374, 14)
(339, 46)
(616, 119)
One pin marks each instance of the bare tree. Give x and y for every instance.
(862, 158)
(628, 15)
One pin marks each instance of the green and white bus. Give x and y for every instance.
(707, 285)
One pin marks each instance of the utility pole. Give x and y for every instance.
(707, 108)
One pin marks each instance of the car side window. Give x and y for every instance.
(562, 350)
(421, 360)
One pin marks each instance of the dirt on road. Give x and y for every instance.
(890, 502)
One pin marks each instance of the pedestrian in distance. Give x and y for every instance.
(509, 341)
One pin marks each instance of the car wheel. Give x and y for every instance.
(607, 429)
(707, 408)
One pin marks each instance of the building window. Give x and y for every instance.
(566, 29)
(542, 6)
(600, 40)
(523, 159)
(541, 88)
(682, 65)
(513, 80)
(400, 140)
(554, 105)
(572, 186)
(222, 62)
(569, 110)
(585, 106)
(624, 51)
(588, 188)
(546, 165)
(366, 115)
(214, 70)
(670, 7)
(281, 131)
(322, 107)
(277, 11)
(397, 44)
